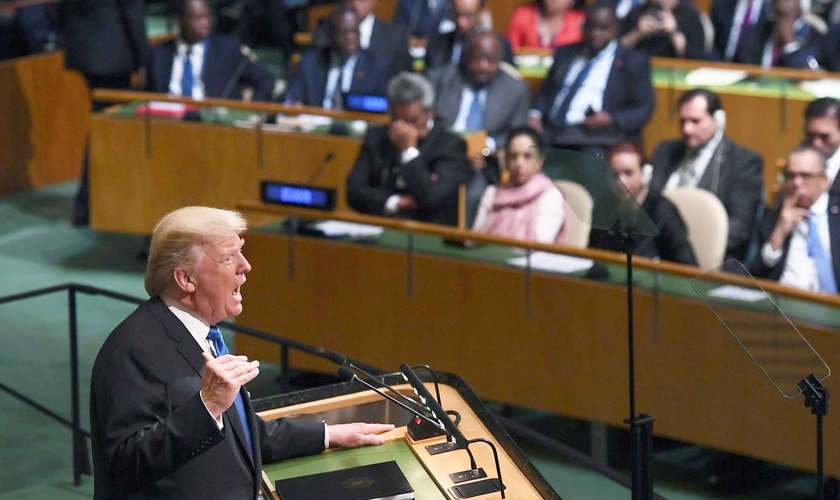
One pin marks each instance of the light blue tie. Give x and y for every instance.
(825, 270)
(187, 78)
(221, 349)
(475, 116)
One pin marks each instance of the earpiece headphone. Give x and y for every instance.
(647, 173)
(720, 119)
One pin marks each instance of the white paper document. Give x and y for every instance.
(827, 87)
(336, 228)
(714, 77)
(544, 261)
(742, 294)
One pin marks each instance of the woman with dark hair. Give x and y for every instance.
(546, 23)
(665, 28)
(528, 206)
(672, 243)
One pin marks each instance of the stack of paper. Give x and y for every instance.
(335, 229)
(544, 261)
(714, 77)
(826, 87)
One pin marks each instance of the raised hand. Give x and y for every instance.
(222, 379)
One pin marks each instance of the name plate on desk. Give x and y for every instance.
(297, 195)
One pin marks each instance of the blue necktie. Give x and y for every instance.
(215, 336)
(825, 271)
(475, 116)
(558, 119)
(187, 78)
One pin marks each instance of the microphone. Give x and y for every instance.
(347, 373)
(234, 78)
(326, 161)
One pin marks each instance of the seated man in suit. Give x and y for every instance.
(597, 92)
(790, 40)
(731, 19)
(822, 131)
(801, 237)
(705, 158)
(325, 76)
(379, 37)
(421, 18)
(477, 95)
(199, 64)
(170, 415)
(446, 48)
(411, 168)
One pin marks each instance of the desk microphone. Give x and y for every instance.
(340, 359)
(347, 373)
(326, 161)
(235, 78)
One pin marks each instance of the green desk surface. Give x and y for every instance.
(645, 280)
(664, 77)
(424, 486)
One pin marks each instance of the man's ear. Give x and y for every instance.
(184, 281)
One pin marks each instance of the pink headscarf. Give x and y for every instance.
(515, 210)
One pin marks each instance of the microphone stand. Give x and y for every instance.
(816, 398)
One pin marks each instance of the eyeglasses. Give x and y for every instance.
(806, 176)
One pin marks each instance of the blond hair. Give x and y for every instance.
(178, 238)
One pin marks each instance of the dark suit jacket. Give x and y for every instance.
(386, 41)
(768, 223)
(734, 174)
(751, 48)
(723, 13)
(659, 44)
(105, 38)
(152, 436)
(309, 82)
(628, 96)
(432, 178)
(417, 19)
(223, 60)
(507, 103)
(439, 49)
(671, 244)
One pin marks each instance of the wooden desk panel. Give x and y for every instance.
(45, 112)
(568, 355)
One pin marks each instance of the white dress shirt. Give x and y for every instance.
(832, 166)
(698, 165)
(591, 92)
(366, 30)
(196, 51)
(800, 271)
(460, 123)
(337, 69)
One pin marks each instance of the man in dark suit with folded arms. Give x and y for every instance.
(170, 416)
(705, 158)
(325, 76)
(800, 238)
(199, 64)
(597, 92)
(412, 167)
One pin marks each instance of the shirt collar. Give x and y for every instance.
(820, 207)
(197, 327)
(366, 30)
(182, 46)
(712, 144)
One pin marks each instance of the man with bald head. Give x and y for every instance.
(477, 95)
(446, 48)
(801, 238)
(325, 76)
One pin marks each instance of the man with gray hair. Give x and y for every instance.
(802, 236)
(412, 167)
(170, 416)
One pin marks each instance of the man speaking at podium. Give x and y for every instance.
(170, 416)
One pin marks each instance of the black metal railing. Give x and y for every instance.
(81, 461)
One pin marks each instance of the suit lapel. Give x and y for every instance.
(714, 168)
(358, 81)
(209, 69)
(319, 76)
(168, 60)
(192, 353)
(834, 230)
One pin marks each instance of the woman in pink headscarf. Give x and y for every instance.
(529, 206)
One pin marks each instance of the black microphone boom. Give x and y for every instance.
(235, 78)
(347, 373)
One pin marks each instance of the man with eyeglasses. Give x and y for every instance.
(798, 237)
(822, 131)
